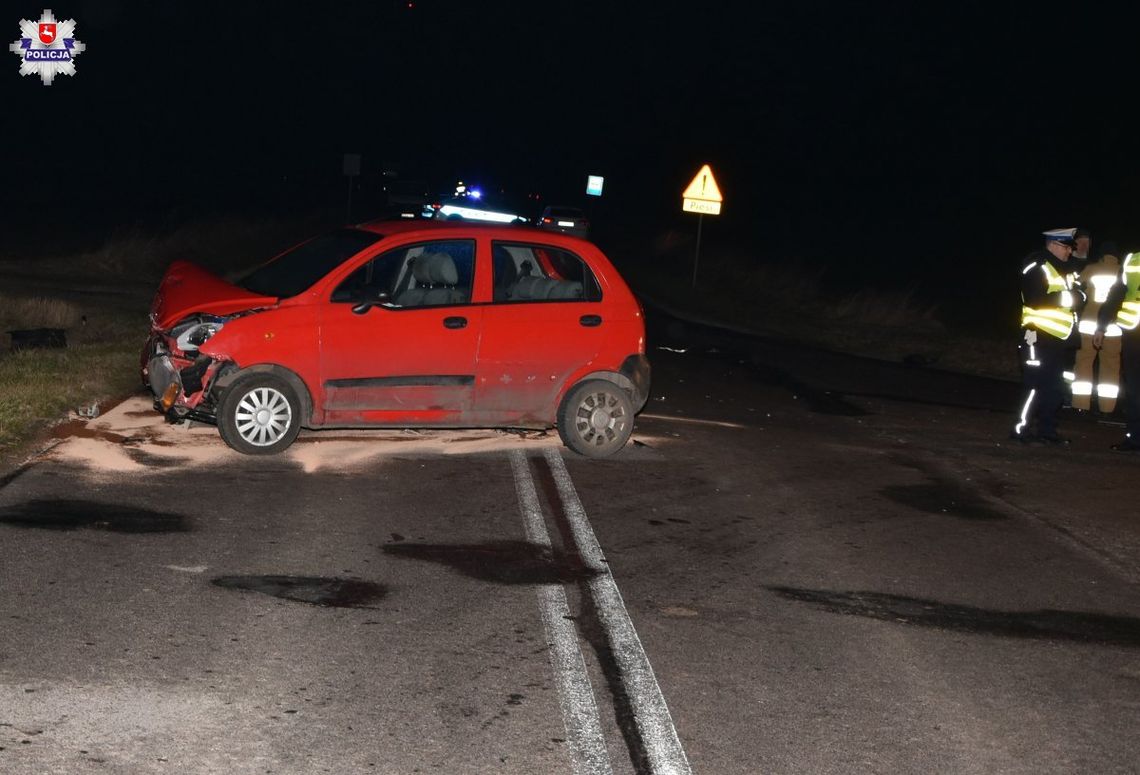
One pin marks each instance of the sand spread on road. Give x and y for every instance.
(133, 438)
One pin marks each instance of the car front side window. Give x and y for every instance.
(426, 274)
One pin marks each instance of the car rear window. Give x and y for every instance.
(295, 270)
(565, 212)
(523, 272)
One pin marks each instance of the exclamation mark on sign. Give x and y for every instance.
(704, 183)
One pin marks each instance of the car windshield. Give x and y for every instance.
(295, 270)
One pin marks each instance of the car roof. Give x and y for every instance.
(504, 231)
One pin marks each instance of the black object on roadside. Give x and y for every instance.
(38, 338)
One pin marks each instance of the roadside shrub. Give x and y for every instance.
(19, 312)
(221, 245)
(792, 298)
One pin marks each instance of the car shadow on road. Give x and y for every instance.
(1046, 624)
(501, 562)
(315, 590)
(65, 514)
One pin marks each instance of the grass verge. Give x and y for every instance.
(37, 387)
(99, 363)
(100, 299)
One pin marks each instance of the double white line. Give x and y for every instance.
(655, 729)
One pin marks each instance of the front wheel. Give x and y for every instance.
(596, 418)
(259, 415)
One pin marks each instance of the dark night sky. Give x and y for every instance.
(902, 139)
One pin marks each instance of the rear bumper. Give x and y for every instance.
(637, 370)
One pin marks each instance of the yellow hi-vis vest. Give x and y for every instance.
(1056, 321)
(1129, 314)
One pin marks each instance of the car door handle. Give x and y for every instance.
(590, 320)
(455, 322)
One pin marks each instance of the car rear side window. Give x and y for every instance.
(295, 270)
(528, 273)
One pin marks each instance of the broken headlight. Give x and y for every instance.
(192, 334)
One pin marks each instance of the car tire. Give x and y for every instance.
(259, 414)
(595, 418)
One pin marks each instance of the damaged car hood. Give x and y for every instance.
(187, 288)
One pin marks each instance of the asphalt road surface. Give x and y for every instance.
(805, 563)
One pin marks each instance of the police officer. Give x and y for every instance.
(1122, 308)
(1050, 296)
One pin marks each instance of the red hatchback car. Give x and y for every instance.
(404, 324)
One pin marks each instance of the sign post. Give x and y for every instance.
(703, 198)
(697, 252)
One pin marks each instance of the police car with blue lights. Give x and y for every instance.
(468, 203)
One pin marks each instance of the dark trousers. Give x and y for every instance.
(1130, 372)
(1043, 378)
(1071, 367)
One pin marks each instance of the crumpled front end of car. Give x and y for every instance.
(178, 375)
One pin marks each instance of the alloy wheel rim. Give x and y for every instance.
(263, 416)
(600, 419)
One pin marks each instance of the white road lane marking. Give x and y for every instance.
(693, 420)
(576, 696)
(650, 713)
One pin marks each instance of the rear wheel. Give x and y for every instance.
(596, 418)
(259, 415)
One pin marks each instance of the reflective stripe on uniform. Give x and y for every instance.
(1089, 327)
(1032, 360)
(1052, 320)
(1102, 284)
(1055, 321)
(1129, 314)
(1024, 417)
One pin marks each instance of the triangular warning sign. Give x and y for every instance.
(703, 187)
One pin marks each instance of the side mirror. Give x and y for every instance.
(366, 301)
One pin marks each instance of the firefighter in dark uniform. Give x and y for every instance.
(1050, 297)
(1122, 309)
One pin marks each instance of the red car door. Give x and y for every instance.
(408, 359)
(544, 324)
